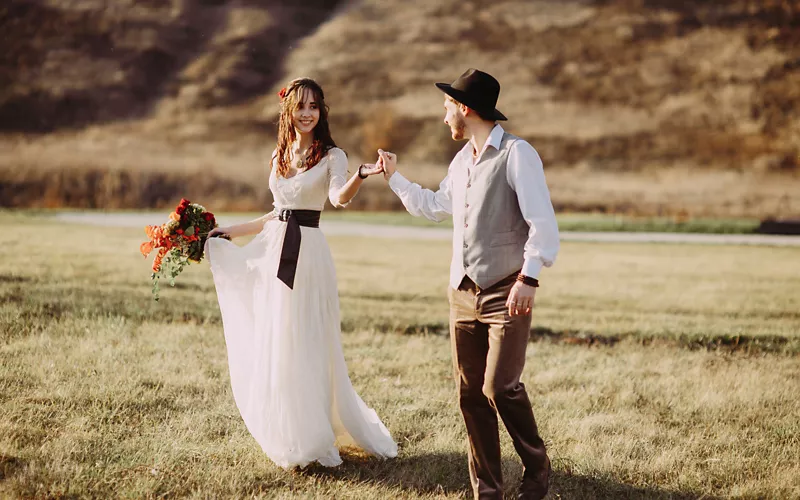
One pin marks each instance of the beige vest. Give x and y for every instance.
(494, 230)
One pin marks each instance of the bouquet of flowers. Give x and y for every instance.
(179, 241)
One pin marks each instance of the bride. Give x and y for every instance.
(280, 303)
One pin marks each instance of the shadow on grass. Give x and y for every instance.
(739, 344)
(447, 473)
(567, 486)
(422, 474)
(9, 465)
(573, 337)
(12, 278)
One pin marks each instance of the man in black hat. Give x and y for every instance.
(505, 231)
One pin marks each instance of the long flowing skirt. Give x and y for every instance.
(287, 368)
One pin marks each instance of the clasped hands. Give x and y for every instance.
(386, 165)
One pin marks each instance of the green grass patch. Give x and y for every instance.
(578, 222)
(566, 222)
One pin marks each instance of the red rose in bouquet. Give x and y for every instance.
(179, 241)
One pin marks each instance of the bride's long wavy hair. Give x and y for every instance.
(290, 99)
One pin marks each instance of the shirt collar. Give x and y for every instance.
(494, 140)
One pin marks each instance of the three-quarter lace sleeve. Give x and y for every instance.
(337, 175)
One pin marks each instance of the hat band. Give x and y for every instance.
(469, 101)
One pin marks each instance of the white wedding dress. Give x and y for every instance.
(287, 368)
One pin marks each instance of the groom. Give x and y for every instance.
(504, 233)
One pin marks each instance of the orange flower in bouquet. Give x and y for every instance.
(177, 242)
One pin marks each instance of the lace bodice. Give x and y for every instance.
(308, 189)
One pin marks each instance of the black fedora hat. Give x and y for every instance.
(477, 90)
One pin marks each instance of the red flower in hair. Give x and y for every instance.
(282, 93)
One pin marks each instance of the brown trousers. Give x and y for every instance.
(488, 357)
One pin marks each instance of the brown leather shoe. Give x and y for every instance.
(535, 485)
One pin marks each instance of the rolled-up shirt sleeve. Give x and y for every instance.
(421, 202)
(525, 175)
(337, 176)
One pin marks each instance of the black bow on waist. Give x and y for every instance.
(290, 252)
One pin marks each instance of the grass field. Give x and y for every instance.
(655, 371)
(580, 222)
(593, 222)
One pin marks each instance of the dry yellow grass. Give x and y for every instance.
(130, 173)
(104, 393)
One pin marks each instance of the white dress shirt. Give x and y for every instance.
(524, 174)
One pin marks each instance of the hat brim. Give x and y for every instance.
(462, 97)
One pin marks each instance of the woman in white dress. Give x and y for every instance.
(280, 304)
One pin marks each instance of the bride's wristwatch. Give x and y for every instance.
(360, 175)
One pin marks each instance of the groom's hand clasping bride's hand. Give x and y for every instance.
(520, 300)
(389, 161)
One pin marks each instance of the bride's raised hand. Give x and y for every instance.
(368, 169)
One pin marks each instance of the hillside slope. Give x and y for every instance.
(618, 84)
(616, 95)
(68, 64)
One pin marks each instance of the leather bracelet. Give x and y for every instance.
(362, 177)
(527, 280)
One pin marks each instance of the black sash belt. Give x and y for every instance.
(291, 242)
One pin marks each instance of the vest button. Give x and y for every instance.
(466, 225)
(465, 245)
(469, 185)
(466, 205)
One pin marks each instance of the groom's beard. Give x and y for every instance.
(457, 128)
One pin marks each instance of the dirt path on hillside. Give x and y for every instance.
(342, 228)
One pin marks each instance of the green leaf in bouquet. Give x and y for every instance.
(189, 231)
(155, 290)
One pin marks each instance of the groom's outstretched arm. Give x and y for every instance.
(420, 202)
